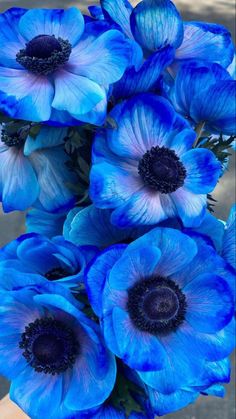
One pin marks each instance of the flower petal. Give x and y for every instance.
(162, 404)
(47, 137)
(209, 303)
(119, 12)
(66, 24)
(149, 16)
(76, 94)
(203, 170)
(104, 60)
(20, 186)
(191, 207)
(10, 37)
(206, 41)
(229, 239)
(33, 94)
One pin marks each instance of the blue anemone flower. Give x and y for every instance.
(33, 175)
(92, 226)
(53, 354)
(164, 300)
(54, 260)
(46, 223)
(53, 68)
(145, 169)
(205, 92)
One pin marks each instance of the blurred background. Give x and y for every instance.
(12, 225)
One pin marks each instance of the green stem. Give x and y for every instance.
(199, 128)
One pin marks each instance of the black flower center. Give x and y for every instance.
(57, 273)
(161, 169)
(44, 54)
(49, 345)
(156, 305)
(14, 134)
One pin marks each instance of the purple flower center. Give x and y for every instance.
(161, 170)
(57, 273)
(42, 46)
(49, 345)
(156, 305)
(44, 54)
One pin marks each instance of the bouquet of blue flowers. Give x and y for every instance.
(118, 302)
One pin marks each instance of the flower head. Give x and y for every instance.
(51, 351)
(53, 67)
(145, 169)
(157, 298)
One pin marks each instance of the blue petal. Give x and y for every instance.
(217, 107)
(76, 94)
(104, 60)
(33, 94)
(134, 265)
(20, 187)
(32, 392)
(229, 239)
(215, 390)
(214, 372)
(157, 24)
(203, 170)
(9, 37)
(145, 79)
(95, 275)
(206, 41)
(66, 24)
(139, 350)
(96, 12)
(51, 164)
(163, 404)
(12, 361)
(191, 208)
(119, 12)
(47, 137)
(44, 223)
(211, 228)
(210, 303)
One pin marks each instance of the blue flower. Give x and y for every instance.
(229, 239)
(34, 175)
(206, 93)
(54, 260)
(91, 226)
(164, 300)
(145, 169)
(45, 223)
(51, 351)
(53, 68)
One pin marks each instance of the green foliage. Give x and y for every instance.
(219, 146)
(121, 397)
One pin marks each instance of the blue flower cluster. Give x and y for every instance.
(115, 128)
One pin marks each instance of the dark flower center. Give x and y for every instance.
(161, 169)
(14, 134)
(44, 54)
(49, 345)
(156, 305)
(57, 273)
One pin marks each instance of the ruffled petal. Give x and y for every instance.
(66, 24)
(32, 392)
(163, 404)
(145, 79)
(119, 13)
(10, 37)
(133, 266)
(53, 178)
(111, 186)
(104, 60)
(156, 23)
(44, 223)
(139, 350)
(219, 109)
(203, 170)
(191, 207)
(20, 187)
(47, 137)
(206, 41)
(229, 239)
(76, 94)
(210, 303)
(32, 94)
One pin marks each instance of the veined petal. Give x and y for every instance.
(20, 187)
(206, 41)
(119, 12)
(163, 404)
(229, 238)
(104, 60)
(66, 24)
(76, 94)
(156, 23)
(47, 137)
(10, 37)
(33, 94)
(203, 170)
(191, 207)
